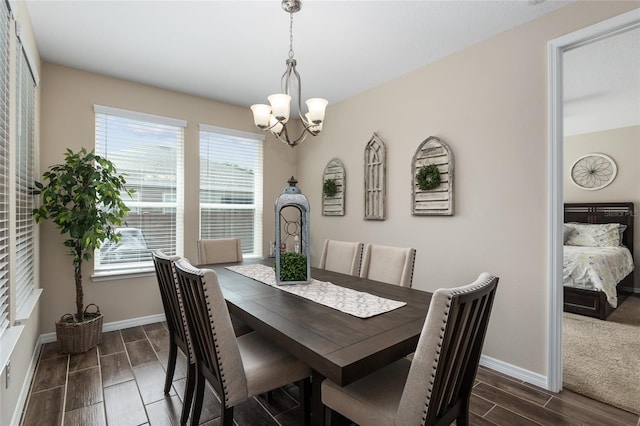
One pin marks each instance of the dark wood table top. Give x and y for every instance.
(336, 345)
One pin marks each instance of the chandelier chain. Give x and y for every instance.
(291, 35)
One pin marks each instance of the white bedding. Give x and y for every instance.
(596, 268)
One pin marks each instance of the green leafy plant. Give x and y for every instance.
(330, 188)
(428, 177)
(82, 198)
(293, 267)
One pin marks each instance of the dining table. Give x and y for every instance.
(335, 344)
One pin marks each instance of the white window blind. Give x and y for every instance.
(4, 167)
(231, 164)
(148, 150)
(25, 176)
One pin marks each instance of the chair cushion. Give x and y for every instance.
(372, 400)
(266, 366)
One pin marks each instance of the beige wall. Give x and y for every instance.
(623, 146)
(68, 122)
(489, 104)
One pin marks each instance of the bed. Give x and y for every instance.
(597, 277)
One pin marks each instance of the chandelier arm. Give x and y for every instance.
(299, 81)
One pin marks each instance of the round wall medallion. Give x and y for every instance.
(593, 171)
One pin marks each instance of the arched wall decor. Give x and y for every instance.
(437, 201)
(375, 179)
(334, 205)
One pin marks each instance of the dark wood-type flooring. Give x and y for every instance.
(121, 383)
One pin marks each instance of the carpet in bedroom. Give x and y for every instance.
(601, 359)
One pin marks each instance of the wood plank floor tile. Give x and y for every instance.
(132, 334)
(84, 416)
(154, 326)
(140, 352)
(51, 373)
(619, 415)
(513, 387)
(475, 420)
(182, 364)
(165, 412)
(480, 406)
(497, 399)
(50, 350)
(84, 360)
(115, 369)
(111, 343)
(159, 339)
(150, 379)
(45, 408)
(123, 405)
(503, 417)
(522, 407)
(586, 417)
(84, 388)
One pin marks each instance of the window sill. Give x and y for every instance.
(29, 305)
(122, 275)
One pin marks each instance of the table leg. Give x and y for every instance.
(317, 409)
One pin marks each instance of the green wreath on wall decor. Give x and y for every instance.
(428, 177)
(330, 188)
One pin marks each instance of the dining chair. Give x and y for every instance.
(392, 265)
(341, 256)
(237, 367)
(434, 388)
(178, 330)
(224, 250)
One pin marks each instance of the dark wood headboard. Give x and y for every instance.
(603, 213)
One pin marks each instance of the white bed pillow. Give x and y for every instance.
(594, 235)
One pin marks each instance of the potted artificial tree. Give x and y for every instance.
(82, 198)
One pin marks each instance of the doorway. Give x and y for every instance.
(556, 51)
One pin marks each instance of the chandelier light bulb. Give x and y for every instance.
(261, 114)
(316, 107)
(280, 106)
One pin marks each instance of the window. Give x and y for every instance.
(148, 150)
(25, 176)
(231, 187)
(4, 167)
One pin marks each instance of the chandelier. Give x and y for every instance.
(275, 117)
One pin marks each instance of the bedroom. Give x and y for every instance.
(602, 129)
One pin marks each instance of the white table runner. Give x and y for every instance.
(356, 303)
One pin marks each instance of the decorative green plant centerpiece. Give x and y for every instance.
(293, 267)
(330, 188)
(428, 177)
(82, 198)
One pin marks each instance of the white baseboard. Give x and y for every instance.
(515, 371)
(112, 326)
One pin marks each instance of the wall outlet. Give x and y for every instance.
(7, 374)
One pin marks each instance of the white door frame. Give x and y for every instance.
(555, 49)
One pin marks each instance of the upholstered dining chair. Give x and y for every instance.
(434, 388)
(392, 265)
(237, 367)
(178, 329)
(341, 256)
(224, 250)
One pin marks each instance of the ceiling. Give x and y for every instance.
(235, 51)
(602, 84)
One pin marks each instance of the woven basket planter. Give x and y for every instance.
(77, 337)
